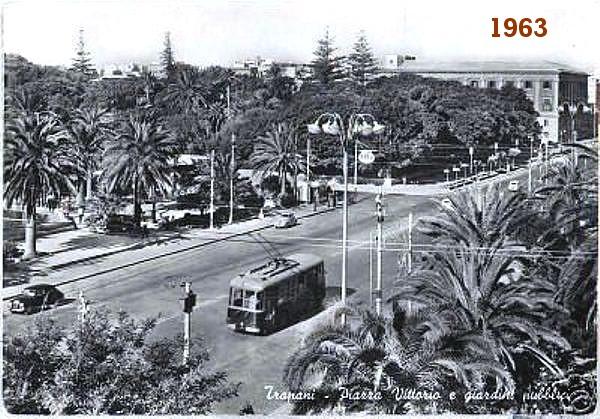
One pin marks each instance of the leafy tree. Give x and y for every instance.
(82, 61)
(107, 365)
(362, 63)
(138, 158)
(167, 59)
(326, 66)
(280, 86)
(37, 161)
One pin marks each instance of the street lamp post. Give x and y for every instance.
(471, 153)
(456, 171)
(212, 189)
(464, 166)
(332, 124)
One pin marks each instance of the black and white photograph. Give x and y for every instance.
(299, 208)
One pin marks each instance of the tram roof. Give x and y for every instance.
(275, 271)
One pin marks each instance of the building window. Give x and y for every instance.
(546, 84)
(491, 84)
(547, 104)
(545, 122)
(528, 84)
(474, 83)
(509, 83)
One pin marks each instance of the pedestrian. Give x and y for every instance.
(145, 231)
(316, 199)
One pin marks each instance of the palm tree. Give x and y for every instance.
(89, 129)
(188, 91)
(373, 356)
(467, 281)
(475, 220)
(37, 162)
(571, 197)
(138, 157)
(276, 152)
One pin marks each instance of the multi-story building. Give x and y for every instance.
(548, 85)
(259, 67)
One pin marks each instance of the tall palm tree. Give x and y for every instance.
(275, 152)
(37, 162)
(138, 157)
(89, 129)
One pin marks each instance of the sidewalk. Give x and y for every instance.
(88, 254)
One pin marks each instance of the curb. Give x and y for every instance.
(138, 262)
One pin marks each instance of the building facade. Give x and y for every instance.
(548, 85)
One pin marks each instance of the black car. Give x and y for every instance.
(35, 298)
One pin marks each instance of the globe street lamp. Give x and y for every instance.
(331, 123)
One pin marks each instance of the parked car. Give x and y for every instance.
(35, 298)
(513, 186)
(285, 220)
(116, 224)
(178, 211)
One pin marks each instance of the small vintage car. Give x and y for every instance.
(36, 298)
(285, 220)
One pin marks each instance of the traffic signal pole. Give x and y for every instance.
(188, 306)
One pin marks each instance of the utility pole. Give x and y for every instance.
(355, 164)
(529, 185)
(308, 162)
(83, 307)
(546, 163)
(189, 301)
(212, 189)
(232, 170)
(410, 222)
(379, 208)
(370, 269)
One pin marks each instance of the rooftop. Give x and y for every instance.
(487, 67)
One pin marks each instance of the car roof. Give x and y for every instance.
(40, 286)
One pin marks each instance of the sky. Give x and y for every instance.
(207, 32)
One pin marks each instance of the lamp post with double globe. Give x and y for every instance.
(360, 124)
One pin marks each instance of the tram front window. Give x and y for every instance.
(252, 300)
(246, 299)
(236, 297)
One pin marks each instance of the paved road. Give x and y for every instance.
(152, 289)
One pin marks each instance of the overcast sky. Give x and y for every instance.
(208, 32)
